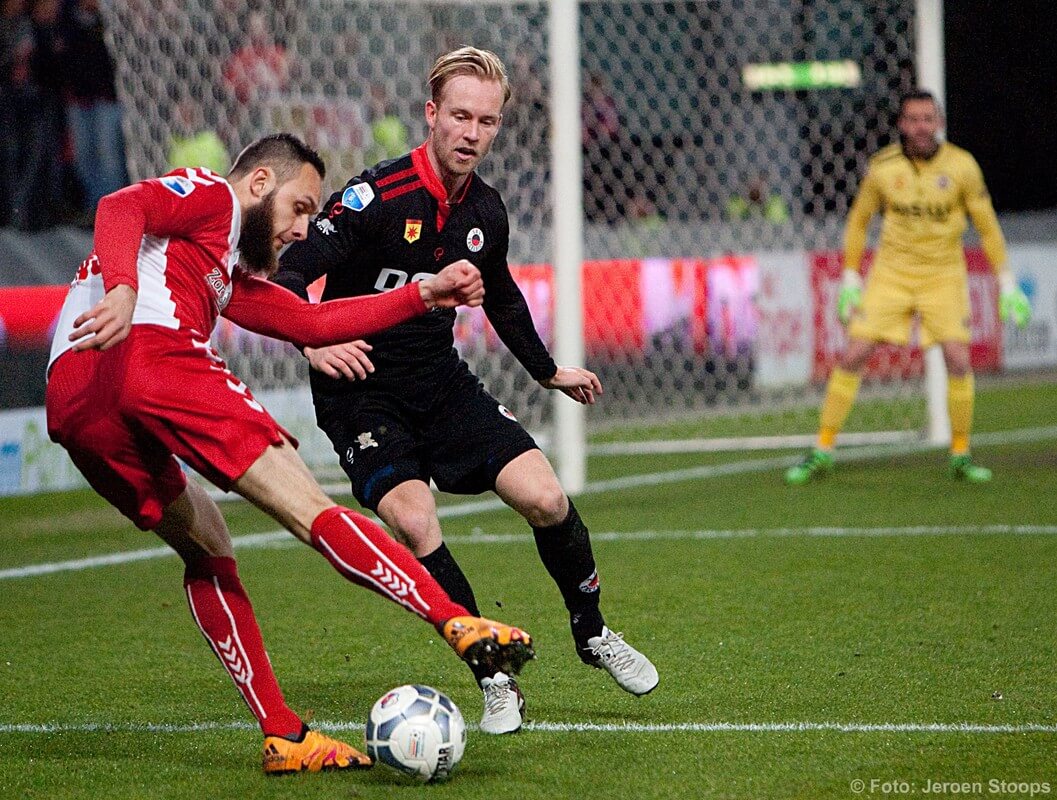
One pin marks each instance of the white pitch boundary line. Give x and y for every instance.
(284, 539)
(571, 727)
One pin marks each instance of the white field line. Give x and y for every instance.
(571, 727)
(281, 538)
(851, 454)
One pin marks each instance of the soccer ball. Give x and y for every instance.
(417, 731)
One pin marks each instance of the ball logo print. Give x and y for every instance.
(475, 240)
(417, 731)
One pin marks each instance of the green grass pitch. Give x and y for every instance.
(884, 625)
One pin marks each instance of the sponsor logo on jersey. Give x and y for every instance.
(365, 440)
(358, 196)
(506, 413)
(412, 230)
(475, 240)
(178, 185)
(326, 227)
(937, 212)
(943, 181)
(220, 288)
(591, 584)
(350, 454)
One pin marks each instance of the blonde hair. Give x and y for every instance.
(483, 64)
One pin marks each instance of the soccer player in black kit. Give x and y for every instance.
(402, 408)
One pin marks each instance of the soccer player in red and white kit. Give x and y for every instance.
(133, 383)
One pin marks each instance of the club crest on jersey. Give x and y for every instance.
(326, 227)
(412, 230)
(350, 454)
(178, 185)
(506, 413)
(222, 290)
(365, 440)
(475, 240)
(358, 196)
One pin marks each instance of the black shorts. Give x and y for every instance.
(461, 439)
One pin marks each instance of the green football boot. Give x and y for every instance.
(817, 462)
(962, 468)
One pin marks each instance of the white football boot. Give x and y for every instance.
(632, 671)
(504, 705)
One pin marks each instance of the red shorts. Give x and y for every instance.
(123, 414)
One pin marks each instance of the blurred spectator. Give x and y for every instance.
(758, 202)
(16, 46)
(260, 67)
(193, 143)
(36, 188)
(389, 135)
(604, 184)
(95, 115)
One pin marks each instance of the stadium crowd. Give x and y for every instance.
(61, 145)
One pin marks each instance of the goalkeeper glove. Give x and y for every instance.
(1012, 302)
(850, 296)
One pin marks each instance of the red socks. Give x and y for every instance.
(224, 614)
(360, 550)
(365, 554)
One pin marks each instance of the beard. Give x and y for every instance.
(255, 240)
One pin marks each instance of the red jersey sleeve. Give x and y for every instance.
(179, 204)
(269, 309)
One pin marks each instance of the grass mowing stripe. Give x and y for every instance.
(572, 727)
(272, 538)
(284, 539)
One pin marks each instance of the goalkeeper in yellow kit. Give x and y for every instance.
(924, 188)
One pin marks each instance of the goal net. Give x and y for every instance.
(722, 145)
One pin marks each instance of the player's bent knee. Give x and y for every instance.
(547, 507)
(416, 528)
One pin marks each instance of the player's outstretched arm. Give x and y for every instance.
(578, 383)
(264, 307)
(458, 283)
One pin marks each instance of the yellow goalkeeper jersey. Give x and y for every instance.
(924, 203)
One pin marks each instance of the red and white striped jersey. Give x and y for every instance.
(186, 258)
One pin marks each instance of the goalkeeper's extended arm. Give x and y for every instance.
(850, 296)
(1012, 302)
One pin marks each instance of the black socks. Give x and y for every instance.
(565, 550)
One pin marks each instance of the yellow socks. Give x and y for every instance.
(840, 396)
(960, 394)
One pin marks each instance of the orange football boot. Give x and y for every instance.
(485, 642)
(313, 753)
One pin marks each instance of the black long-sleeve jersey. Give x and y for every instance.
(394, 224)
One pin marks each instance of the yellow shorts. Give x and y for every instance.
(891, 300)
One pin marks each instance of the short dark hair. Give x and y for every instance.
(283, 152)
(917, 94)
